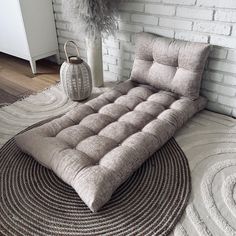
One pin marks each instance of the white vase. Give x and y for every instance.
(94, 57)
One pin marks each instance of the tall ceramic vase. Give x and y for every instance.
(94, 56)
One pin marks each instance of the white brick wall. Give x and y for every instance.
(212, 27)
(212, 21)
(159, 9)
(194, 13)
(175, 23)
(225, 15)
(217, 3)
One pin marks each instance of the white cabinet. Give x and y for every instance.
(27, 30)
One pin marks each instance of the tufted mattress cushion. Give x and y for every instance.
(98, 145)
(169, 64)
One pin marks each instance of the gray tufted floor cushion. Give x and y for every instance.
(98, 145)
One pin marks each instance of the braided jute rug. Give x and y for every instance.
(34, 201)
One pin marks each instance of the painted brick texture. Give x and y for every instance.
(193, 20)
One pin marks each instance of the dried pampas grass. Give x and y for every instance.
(92, 16)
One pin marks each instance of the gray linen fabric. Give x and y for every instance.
(98, 145)
(169, 64)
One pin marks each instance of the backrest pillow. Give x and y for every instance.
(170, 64)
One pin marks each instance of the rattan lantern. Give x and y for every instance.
(75, 75)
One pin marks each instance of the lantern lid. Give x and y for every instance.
(75, 60)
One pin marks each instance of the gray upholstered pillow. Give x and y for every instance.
(169, 64)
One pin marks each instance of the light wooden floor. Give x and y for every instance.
(17, 80)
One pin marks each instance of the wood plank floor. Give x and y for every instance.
(17, 80)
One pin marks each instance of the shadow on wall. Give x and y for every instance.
(219, 80)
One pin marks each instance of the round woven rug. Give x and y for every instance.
(34, 201)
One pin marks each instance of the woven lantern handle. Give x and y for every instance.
(65, 49)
